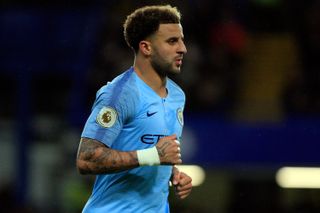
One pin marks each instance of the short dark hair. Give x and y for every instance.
(145, 21)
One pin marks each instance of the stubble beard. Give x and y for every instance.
(163, 68)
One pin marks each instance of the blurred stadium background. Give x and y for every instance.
(251, 77)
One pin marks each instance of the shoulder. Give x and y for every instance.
(121, 94)
(121, 87)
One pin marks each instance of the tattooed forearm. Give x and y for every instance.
(95, 158)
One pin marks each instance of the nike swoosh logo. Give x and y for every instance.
(151, 113)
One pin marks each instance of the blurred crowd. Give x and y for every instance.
(234, 49)
(220, 36)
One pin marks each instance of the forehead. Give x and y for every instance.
(170, 30)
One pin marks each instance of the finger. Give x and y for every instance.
(176, 178)
(172, 137)
(184, 194)
(178, 162)
(185, 187)
(178, 146)
(184, 179)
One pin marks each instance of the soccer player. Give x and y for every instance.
(131, 139)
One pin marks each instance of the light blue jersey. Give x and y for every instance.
(128, 115)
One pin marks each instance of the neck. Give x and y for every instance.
(147, 73)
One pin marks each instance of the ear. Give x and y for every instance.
(145, 47)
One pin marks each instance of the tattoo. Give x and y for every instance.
(95, 158)
(162, 148)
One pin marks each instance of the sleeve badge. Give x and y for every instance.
(107, 117)
(180, 116)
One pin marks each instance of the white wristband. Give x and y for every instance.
(148, 157)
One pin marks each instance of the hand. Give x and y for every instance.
(169, 150)
(182, 183)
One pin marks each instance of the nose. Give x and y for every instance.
(182, 48)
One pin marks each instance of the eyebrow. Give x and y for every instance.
(175, 38)
(172, 38)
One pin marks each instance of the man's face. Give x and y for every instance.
(168, 49)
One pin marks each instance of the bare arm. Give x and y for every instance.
(95, 158)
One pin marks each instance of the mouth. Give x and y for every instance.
(178, 61)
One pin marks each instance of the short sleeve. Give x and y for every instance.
(111, 110)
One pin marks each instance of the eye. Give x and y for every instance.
(172, 40)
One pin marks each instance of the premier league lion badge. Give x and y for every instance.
(107, 117)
